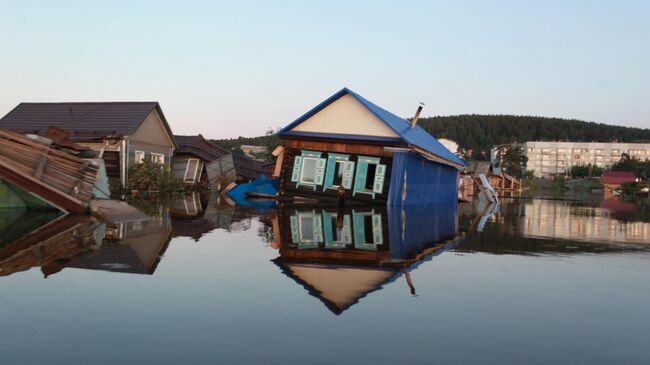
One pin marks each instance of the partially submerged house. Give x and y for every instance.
(349, 142)
(193, 157)
(124, 133)
(498, 179)
(199, 161)
(612, 180)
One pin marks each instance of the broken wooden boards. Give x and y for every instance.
(61, 179)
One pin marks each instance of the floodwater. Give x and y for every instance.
(527, 282)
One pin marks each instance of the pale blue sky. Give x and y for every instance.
(235, 68)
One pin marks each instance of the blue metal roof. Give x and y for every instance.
(416, 136)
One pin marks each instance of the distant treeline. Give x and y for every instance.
(270, 140)
(479, 133)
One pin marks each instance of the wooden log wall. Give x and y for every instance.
(294, 147)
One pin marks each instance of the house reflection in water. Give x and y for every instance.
(134, 247)
(86, 243)
(340, 256)
(196, 215)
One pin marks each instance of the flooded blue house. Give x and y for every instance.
(348, 143)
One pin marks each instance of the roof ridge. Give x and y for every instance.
(86, 102)
(415, 136)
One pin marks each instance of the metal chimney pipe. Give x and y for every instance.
(417, 115)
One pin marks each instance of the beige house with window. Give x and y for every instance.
(124, 133)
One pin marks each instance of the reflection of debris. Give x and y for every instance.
(492, 210)
(114, 211)
(59, 240)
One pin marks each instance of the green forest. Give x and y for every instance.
(478, 133)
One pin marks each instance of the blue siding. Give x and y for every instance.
(426, 181)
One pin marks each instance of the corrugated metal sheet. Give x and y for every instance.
(416, 136)
(426, 181)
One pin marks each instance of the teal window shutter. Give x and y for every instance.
(320, 171)
(360, 179)
(297, 165)
(377, 232)
(327, 227)
(334, 160)
(380, 173)
(329, 172)
(318, 227)
(295, 237)
(348, 174)
(359, 233)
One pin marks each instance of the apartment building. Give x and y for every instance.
(551, 158)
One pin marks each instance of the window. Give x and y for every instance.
(368, 231)
(339, 167)
(339, 171)
(191, 170)
(306, 229)
(308, 169)
(369, 176)
(337, 230)
(139, 156)
(158, 158)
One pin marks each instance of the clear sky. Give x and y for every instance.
(235, 68)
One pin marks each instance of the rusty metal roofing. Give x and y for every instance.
(84, 121)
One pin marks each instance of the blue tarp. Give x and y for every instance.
(416, 136)
(262, 185)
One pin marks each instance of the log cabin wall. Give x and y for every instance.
(295, 147)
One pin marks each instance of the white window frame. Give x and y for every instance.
(342, 170)
(196, 169)
(161, 155)
(302, 170)
(139, 156)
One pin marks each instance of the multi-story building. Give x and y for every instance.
(552, 158)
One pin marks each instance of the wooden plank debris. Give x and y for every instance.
(61, 179)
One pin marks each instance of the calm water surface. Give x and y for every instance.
(529, 282)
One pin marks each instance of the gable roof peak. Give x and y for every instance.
(415, 136)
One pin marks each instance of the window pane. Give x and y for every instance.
(308, 170)
(338, 173)
(307, 228)
(370, 176)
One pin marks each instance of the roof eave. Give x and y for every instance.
(166, 125)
